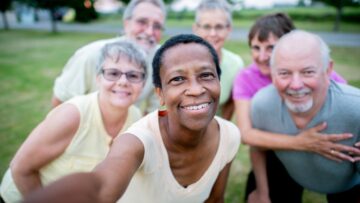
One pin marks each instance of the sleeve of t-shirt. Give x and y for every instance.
(240, 87)
(233, 140)
(147, 138)
(77, 76)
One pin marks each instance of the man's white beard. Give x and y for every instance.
(299, 107)
(146, 42)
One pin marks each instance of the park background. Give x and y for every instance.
(32, 55)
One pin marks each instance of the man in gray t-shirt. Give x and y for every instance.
(301, 97)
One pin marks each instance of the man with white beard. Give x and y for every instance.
(143, 22)
(301, 97)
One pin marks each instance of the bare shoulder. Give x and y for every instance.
(49, 139)
(128, 143)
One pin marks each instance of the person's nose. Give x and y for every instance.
(212, 32)
(150, 30)
(263, 55)
(296, 82)
(195, 88)
(122, 80)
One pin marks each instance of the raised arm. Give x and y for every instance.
(45, 143)
(106, 183)
(258, 162)
(309, 140)
(257, 156)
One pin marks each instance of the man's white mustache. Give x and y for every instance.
(149, 40)
(298, 92)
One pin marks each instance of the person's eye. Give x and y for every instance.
(157, 26)
(309, 73)
(219, 27)
(207, 27)
(176, 80)
(255, 48)
(270, 48)
(207, 76)
(142, 22)
(134, 75)
(112, 73)
(283, 73)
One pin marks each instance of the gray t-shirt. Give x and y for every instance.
(341, 111)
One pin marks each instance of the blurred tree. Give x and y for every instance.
(339, 5)
(51, 5)
(84, 10)
(4, 6)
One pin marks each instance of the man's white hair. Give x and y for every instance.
(300, 35)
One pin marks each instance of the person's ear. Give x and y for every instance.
(330, 68)
(126, 25)
(230, 29)
(159, 94)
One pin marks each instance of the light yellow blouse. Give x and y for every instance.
(89, 146)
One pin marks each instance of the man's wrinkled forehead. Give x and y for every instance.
(148, 10)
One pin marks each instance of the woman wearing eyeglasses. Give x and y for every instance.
(76, 136)
(213, 23)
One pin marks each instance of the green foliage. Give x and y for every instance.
(303, 14)
(84, 10)
(350, 14)
(339, 3)
(46, 4)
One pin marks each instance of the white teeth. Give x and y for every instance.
(297, 95)
(198, 107)
(121, 93)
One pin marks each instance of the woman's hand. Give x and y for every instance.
(326, 144)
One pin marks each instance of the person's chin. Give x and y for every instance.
(264, 69)
(146, 46)
(299, 107)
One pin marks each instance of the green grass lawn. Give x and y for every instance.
(30, 61)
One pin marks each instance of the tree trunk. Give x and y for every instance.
(53, 20)
(338, 17)
(36, 14)
(5, 21)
